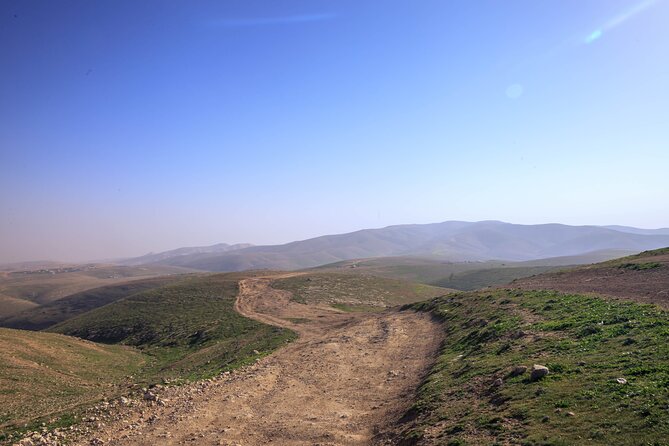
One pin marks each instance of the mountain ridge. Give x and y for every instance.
(449, 240)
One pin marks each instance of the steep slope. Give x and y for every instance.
(643, 277)
(456, 241)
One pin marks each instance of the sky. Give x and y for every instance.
(135, 126)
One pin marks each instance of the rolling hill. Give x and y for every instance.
(167, 255)
(355, 292)
(183, 330)
(642, 277)
(44, 374)
(453, 241)
(190, 328)
(607, 360)
(47, 284)
(10, 306)
(51, 313)
(462, 275)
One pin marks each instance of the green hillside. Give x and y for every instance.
(189, 328)
(10, 306)
(355, 291)
(608, 381)
(465, 276)
(487, 277)
(643, 277)
(44, 374)
(68, 307)
(48, 284)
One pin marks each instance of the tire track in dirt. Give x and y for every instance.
(344, 381)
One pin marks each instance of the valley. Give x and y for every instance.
(350, 353)
(346, 378)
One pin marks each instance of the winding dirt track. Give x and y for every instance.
(345, 381)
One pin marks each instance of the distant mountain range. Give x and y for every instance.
(451, 240)
(631, 230)
(166, 256)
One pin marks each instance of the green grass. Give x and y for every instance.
(646, 254)
(43, 375)
(354, 291)
(587, 342)
(68, 307)
(640, 266)
(184, 331)
(481, 278)
(635, 259)
(190, 329)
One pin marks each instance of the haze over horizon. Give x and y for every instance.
(135, 127)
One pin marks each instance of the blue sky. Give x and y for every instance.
(136, 126)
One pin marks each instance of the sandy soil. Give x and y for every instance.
(345, 381)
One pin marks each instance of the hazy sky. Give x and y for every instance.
(136, 126)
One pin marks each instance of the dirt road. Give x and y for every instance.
(346, 379)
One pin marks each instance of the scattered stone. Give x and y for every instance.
(150, 396)
(545, 419)
(518, 370)
(498, 382)
(621, 380)
(538, 372)
(571, 414)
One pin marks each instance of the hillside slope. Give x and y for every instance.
(643, 277)
(342, 382)
(607, 361)
(190, 328)
(10, 306)
(166, 255)
(454, 240)
(464, 276)
(51, 313)
(355, 292)
(179, 332)
(45, 285)
(45, 373)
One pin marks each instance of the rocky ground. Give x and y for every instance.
(346, 380)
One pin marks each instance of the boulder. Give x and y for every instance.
(538, 371)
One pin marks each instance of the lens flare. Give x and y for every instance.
(594, 36)
(619, 20)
